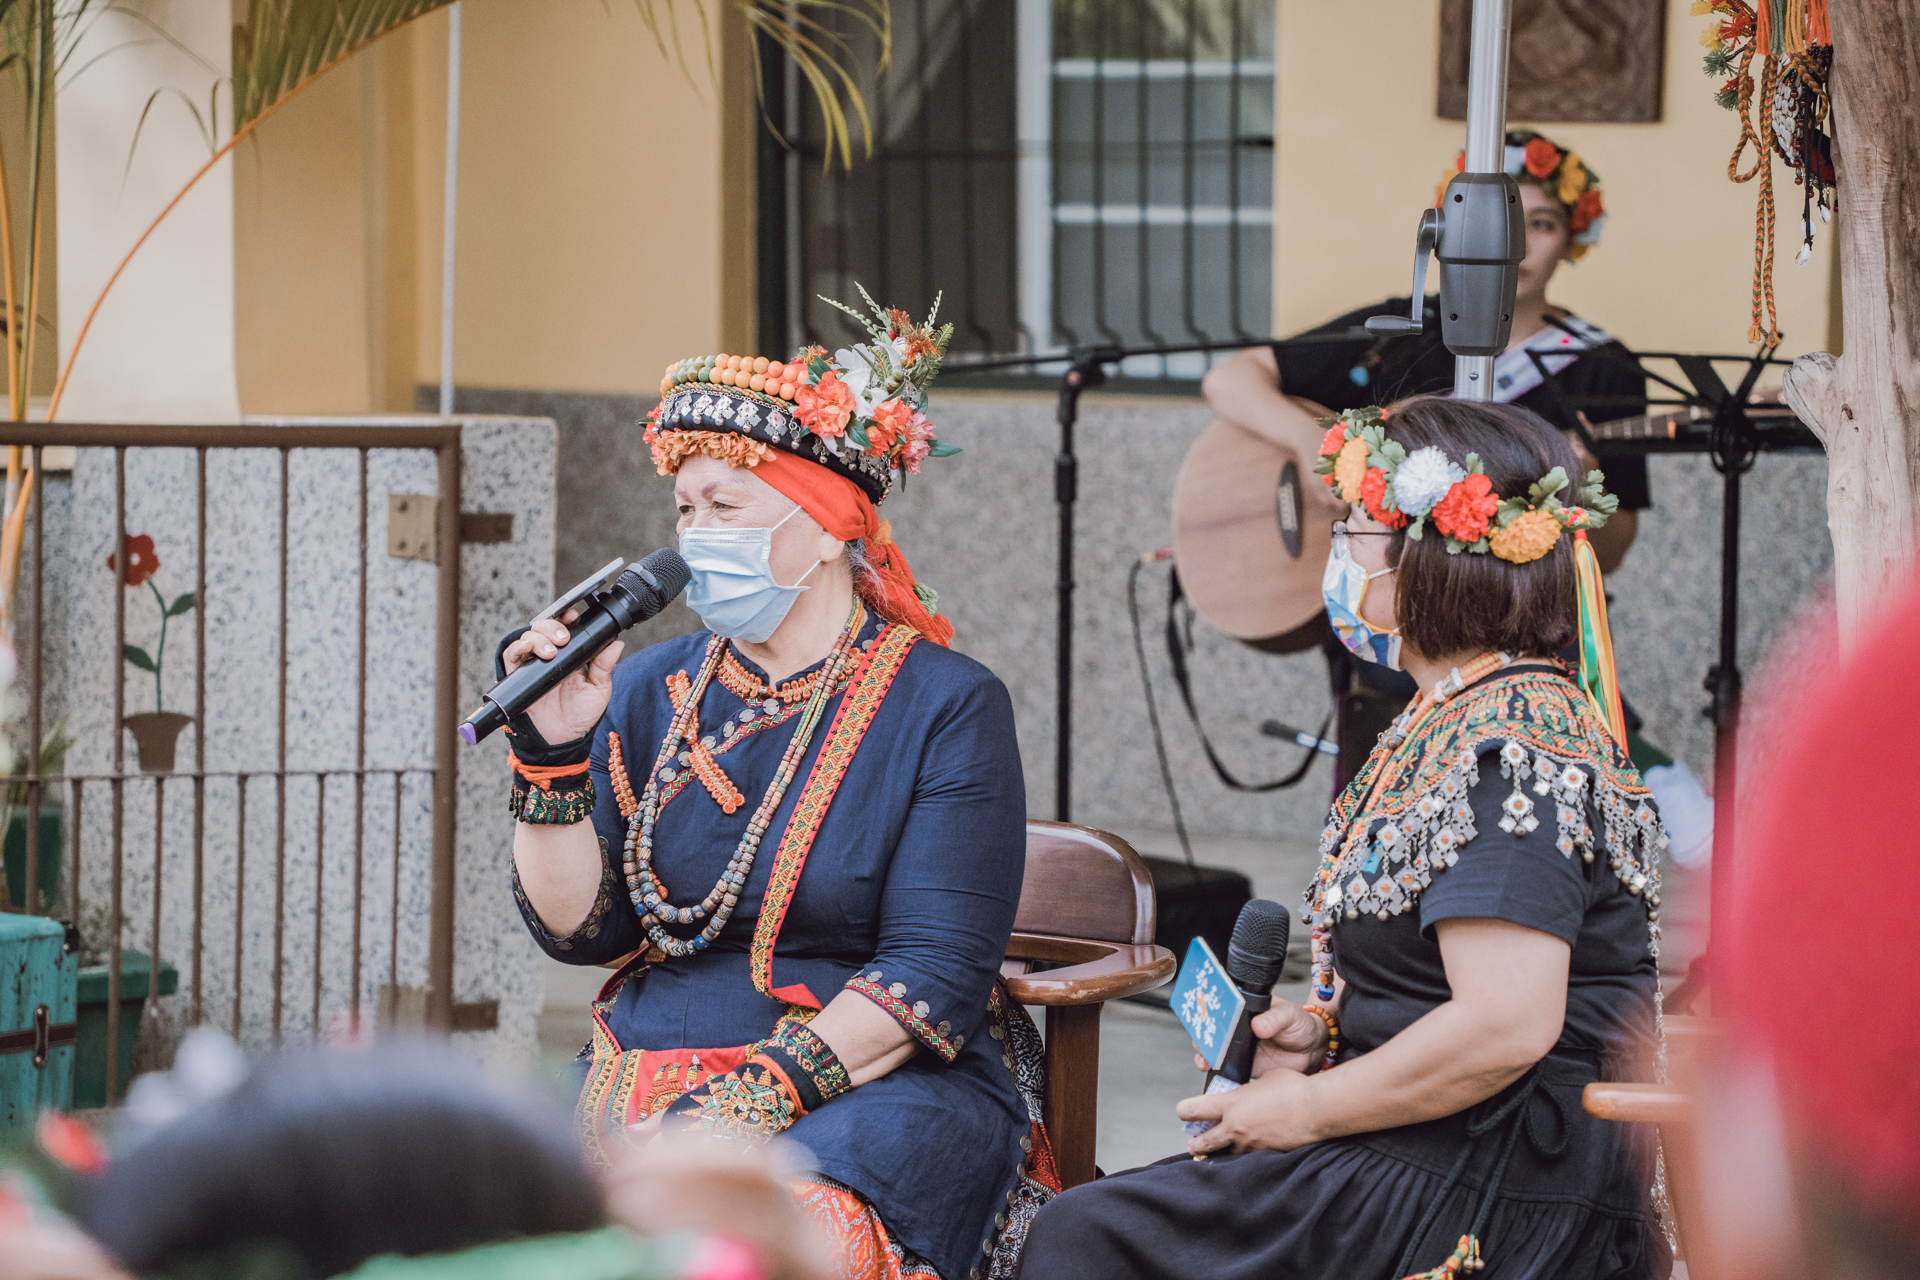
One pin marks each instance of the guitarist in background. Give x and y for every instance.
(1565, 213)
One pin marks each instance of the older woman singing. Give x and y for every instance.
(1483, 917)
(804, 826)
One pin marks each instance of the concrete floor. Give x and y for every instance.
(1146, 1062)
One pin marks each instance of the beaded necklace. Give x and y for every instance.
(649, 895)
(1423, 704)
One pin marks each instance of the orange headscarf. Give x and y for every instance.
(843, 509)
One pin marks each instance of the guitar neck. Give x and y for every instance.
(1667, 424)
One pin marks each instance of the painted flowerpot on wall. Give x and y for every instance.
(155, 732)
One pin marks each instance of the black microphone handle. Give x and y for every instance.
(1237, 1065)
(587, 635)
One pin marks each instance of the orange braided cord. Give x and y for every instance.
(541, 775)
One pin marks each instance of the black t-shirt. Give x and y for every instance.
(1392, 968)
(1352, 375)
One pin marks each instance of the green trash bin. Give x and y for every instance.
(90, 1066)
(15, 853)
(37, 991)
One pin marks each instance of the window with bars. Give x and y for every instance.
(1067, 172)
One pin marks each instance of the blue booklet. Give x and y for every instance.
(1206, 1002)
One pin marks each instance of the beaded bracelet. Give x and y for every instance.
(1333, 1032)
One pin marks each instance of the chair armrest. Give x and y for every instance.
(1095, 972)
(1637, 1103)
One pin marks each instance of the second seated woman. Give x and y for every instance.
(1483, 918)
(805, 825)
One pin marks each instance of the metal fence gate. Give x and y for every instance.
(276, 943)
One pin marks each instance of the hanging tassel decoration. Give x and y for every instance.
(1598, 679)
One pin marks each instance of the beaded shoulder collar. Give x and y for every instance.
(1406, 815)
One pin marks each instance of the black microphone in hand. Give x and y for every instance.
(1255, 956)
(638, 594)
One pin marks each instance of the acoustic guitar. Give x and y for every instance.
(1253, 524)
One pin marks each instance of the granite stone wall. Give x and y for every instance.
(979, 527)
(286, 875)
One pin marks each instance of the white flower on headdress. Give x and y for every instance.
(1592, 233)
(1514, 160)
(1423, 479)
(872, 372)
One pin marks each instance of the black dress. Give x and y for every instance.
(1572, 1197)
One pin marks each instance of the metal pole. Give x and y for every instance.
(450, 207)
(1486, 147)
(446, 742)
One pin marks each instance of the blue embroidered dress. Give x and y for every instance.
(906, 895)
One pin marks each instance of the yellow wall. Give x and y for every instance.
(1359, 149)
(600, 235)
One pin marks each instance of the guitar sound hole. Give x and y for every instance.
(1286, 506)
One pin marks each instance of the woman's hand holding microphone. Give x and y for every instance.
(572, 708)
(1273, 1109)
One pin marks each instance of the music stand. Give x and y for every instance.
(1723, 428)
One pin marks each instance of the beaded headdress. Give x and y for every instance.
(1562, 174)
(857, 412)
(1405, 490)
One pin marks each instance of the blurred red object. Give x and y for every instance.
(69, 1142)
(1821, 952)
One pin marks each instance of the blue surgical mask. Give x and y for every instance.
(733, 589)
(1343, 587)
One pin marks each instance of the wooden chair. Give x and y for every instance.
(1086, 905)
(1669, 1107)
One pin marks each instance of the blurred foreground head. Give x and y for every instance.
(1822, 963)
(338, 1157)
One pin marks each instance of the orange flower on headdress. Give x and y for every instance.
(891, 419)
(1373, 495)
(1331, 442)
(826, 406)
(1527, 538)
(1350, 469)
(1542, 158)
(1467, 510)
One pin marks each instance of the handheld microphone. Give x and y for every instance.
(638, 594)
(1255, 957)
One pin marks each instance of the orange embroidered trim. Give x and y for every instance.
(863, 698)
(542, 775)
(712, 776)
(617, 770)
(747, 687)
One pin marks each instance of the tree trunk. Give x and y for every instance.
(1865, 404)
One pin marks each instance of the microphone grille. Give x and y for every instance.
(1258, 950)
(668, 571)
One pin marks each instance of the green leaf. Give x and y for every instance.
(941, 449)
(138, 657)
(184, 604)
(857, 434)
(818, 367)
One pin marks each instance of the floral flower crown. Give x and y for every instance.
(1396, 487)
(1531, 157)
(857, 412)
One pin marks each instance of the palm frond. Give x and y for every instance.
(286, 43)
(819, 53)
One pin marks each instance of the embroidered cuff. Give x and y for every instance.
(554, 804)
(752, 1104)
(913, 1016)
(810, 1067)
(589, 928)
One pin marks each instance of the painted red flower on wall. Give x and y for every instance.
(141, 560)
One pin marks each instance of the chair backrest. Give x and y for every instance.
(1082, 883)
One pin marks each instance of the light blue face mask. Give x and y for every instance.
(733, 589)
(1343, 587)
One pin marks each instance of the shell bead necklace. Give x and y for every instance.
(643, 886)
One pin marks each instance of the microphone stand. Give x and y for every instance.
(1087, 368)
